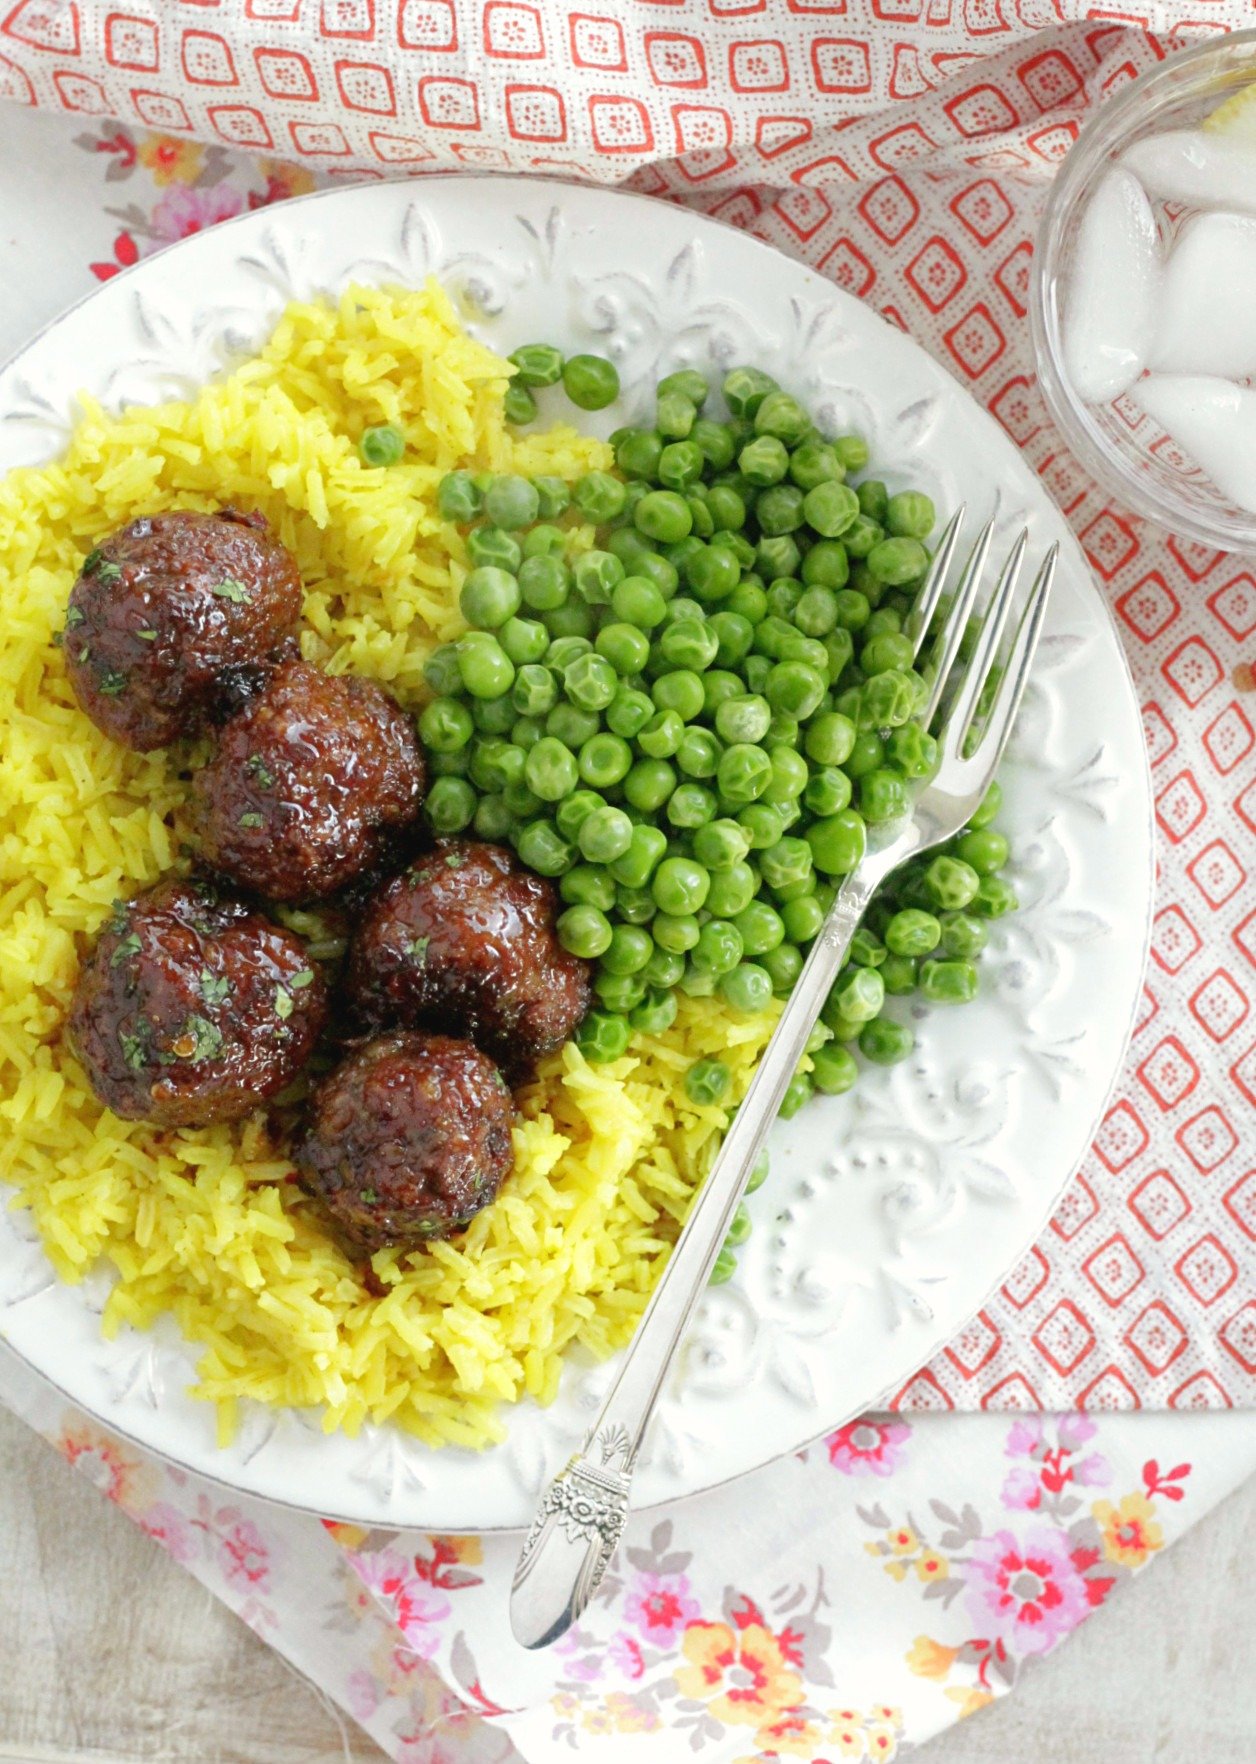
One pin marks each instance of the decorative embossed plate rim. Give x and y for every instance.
(891, 1214)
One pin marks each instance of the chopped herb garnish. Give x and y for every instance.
(215, 988)
(233, 591)
(200, 1040)
(147, 634)
(418, 948)
(368, 1196)
(118, 917)
(250, 818)
(454, 860)
(92, 560)
(108, 572)
(58, 638)
(74, 616)
(111, 683)
(257, 769)
(284, 1006)
(84, 652)
(132, 1049)
(130, 946)
(300, 981)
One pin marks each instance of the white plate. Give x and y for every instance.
(891, 1214)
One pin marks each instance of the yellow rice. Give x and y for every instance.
(204, 1224)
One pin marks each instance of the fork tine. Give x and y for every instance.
(1019, 662)
(921, 615)
(957, 619)
(968, 694)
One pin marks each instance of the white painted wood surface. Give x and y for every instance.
(112, 1654)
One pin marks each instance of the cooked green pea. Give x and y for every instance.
(994, 897)
(450, 765)
(664, 969)
(624, 647)
(744, 772)
(802, 918)
(563, 651)
(458, 497)
(874, 500)
(779, 510)
(837, 842)
(590, 381)
(538, 364)
(794, 689)
(553, 499)
(867, 949)
(948, 982)
(788, 861)
(885, 1042)
(661, 736)
(860, 537)
(689, 383)
(603, 1036)
(489, 597)
(492, 546)
(829, 739)
(716, 442)
(828, 791)
(826, 565)
(747, 986)
(885, 652)
(887, 701)
(745, 388)
(604, 759)
(718, 949)
(760, 927)
(445, 726)
(764, 461)
(550, 770)
(619, 992)
(574, 810)
(749, 600)
(784, 965)
(680, 886)
(584, 931)
(815, 462)
(781, 415)
(649, 783)
(830, 508)
(628, 951)
(728, 511)
(518, 405)
(637, 602)
(898, 973)
(524, 640)
(383, 445)
(485, 669)
(590, 682)
(544, 583)
(655, 1014)
(535, 690)
(680, 693)
(733, 635)
(598, 496)
(690, 805)
(859, 994)
(663, 515)
(723, 1268)
(834, 1069)
(984, 849)
(588, 885)
(963, 935)
(596, 575)
(763, 822)
(950, 883)
(720, 844)
(909, 515)
(450, 805)
(987, 809)
(676, 932)
(628, 712)
(493, 820)
(912, 932)
(914, 753)
(897, 561)
(698, 755)
(638, 453)
(675, 414)
(882, 796)
(816, 612)
(778, 555)
(707, 1082)
(745, 718)
(511, 501)
(789, 776)
(732, 890)
(634, 867)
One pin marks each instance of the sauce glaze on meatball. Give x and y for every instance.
(191, 1008)
(173, 618)
(464, 941)
(407, 1139)
(312, 785)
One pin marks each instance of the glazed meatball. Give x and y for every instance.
(312, 786)
(407, 1139)
(191, 1008)
(464, 941)
(173, 619)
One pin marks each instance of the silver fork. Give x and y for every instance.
(582, 1512)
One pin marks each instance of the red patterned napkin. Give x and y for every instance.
(900, 147)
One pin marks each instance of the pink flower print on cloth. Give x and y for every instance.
(416, 1607)
(660, 1605)
(1029, 1591)
(868, 1448)
(184, 209)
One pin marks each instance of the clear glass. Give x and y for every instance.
(1122, 448)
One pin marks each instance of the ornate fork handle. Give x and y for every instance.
(584, 1509)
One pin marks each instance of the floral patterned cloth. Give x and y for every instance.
(897, 1576)
(905, 1570)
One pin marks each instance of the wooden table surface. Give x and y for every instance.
(115, 1655)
